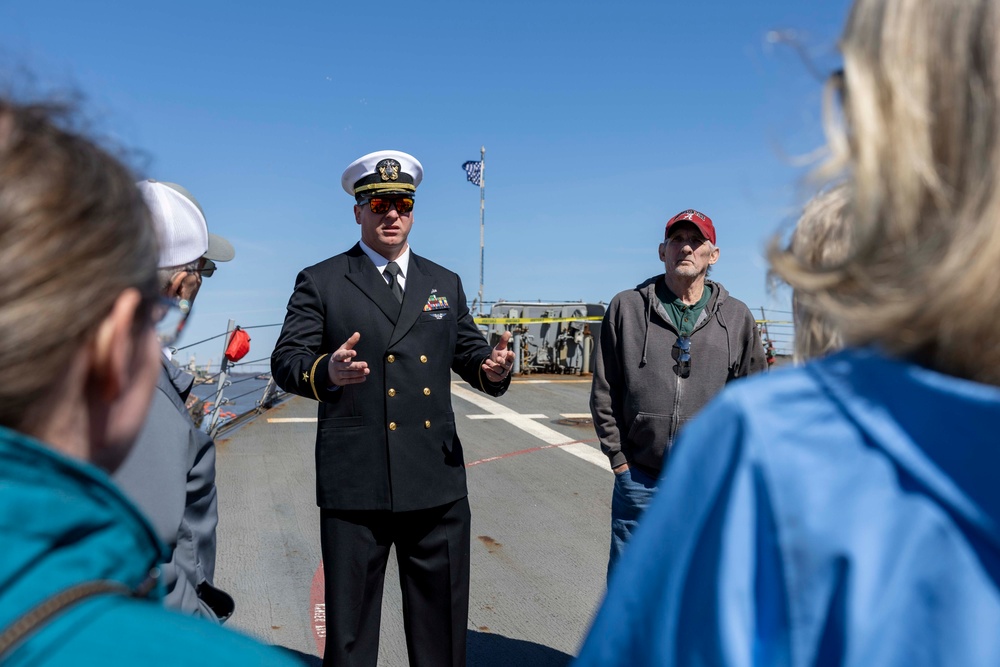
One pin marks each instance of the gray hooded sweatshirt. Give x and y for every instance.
(639, 400)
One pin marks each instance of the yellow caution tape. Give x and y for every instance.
(590, 318)
(536, 320)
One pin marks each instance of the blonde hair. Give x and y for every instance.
(820, 241)
(74, 233)
(919, 145)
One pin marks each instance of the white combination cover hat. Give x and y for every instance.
(382, 173)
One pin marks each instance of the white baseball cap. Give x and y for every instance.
(180, 225)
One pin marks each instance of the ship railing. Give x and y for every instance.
(776, 329)
(227, 391)
(777, 332)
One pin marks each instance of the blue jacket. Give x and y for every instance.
(62, 523)
(843, 513)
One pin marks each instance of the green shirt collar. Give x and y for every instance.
(683, 316)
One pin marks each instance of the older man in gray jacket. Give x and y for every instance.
(666, 348)
(170, 472)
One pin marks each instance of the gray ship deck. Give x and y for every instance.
(540, 494)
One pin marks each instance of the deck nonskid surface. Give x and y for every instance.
(540, 494)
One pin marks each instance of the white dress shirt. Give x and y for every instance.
(381, 262)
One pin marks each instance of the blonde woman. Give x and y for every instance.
(846, 512)
(820, 241)
(78, 362)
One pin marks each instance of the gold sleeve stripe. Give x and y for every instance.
(312, 375)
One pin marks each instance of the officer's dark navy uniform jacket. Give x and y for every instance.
(388, 443)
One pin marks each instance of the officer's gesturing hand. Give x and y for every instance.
(497, 366)
(343, 368)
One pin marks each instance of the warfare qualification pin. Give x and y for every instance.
(388, 169)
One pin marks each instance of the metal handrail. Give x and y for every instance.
(782, 340)
(218, 419)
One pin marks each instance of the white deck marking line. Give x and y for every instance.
(504, 416)
(551, 381)
(575, 415)
(540, 431)
(291, 420)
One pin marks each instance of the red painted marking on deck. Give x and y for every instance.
(317, 607)
(527, 451)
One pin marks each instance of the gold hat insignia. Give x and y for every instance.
(388, 169)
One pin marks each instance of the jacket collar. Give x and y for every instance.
(419, 282)
(648, 291)
(380, 262)
(366, 277)
(175, 379)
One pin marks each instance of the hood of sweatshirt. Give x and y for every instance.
(652, 304)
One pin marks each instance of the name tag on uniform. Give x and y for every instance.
(435, 302)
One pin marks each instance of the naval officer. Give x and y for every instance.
(373, 334)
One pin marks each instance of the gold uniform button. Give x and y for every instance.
(423, 359)
(427, 424)
(391, 358)
(427, 391)
(392, 426)
(392, 392)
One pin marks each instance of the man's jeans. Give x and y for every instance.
(633, 493)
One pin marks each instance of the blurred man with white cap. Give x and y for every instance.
(373, 335)
(170, 473)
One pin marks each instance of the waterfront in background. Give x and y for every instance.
(242, 393)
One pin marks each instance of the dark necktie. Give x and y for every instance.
(392, 274)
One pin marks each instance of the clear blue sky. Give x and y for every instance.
(600, 121)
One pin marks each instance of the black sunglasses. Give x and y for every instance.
(381, 205)
(683, 346)
(207, 270)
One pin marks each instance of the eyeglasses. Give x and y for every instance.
(208, 269)
(381, 205)
(170, 315)
(683, 346)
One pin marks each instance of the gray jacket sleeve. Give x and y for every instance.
(753, 358)
(606, 391)
(170, 476)
(201, 508)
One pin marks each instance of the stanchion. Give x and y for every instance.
(213, 427)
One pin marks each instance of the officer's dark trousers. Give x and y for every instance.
(432, 549)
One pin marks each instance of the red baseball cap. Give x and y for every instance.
(698, 219)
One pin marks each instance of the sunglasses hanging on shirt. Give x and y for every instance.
(683, 346)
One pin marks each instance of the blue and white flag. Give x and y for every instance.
(474, 172)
